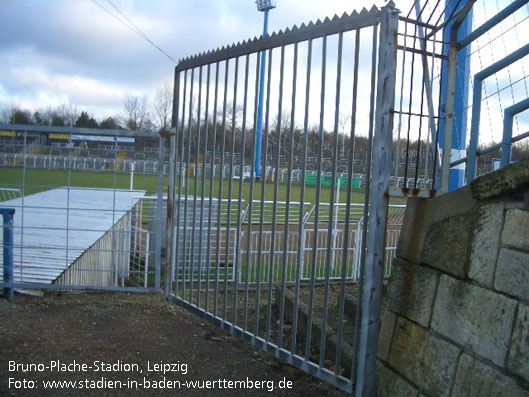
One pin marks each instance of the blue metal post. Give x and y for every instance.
(258, 132)
(7, 215)
(459, 136)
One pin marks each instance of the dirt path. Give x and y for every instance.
(138, 332)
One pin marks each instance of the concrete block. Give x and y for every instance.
(427, 361)
(474, 317)
(385, 335)
(388, 383)
(422, 213)
(485, 244)
(412, 291)
(501, 182)
(349, 306)
(331, 339)
(518, 361)
(477, 379)
(446, 245)
(512, 273)
(411, 225)
(516, 229)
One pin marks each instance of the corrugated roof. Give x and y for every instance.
(55, 227)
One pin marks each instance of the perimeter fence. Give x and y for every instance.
(79, 228)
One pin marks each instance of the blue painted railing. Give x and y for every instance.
(7, 215)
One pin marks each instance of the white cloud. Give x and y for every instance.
(37, 87)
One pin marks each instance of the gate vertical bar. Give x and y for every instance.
(212, 178)
(238, 244)
(187, 160)
(263, 191)
(195, 171)
(276, 190)
(250, 202)
(230, 187)
(341, 302)
(203, 186)
(289, 182)
(179, 148)
(331, 201)
(159, 214)
(317, 205)
(379, 201)
(221, 168)
(301, 241)
(171, 190)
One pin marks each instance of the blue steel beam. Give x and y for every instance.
(458, 88)
(510, 9)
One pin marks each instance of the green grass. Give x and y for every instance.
(357, 195)
(40, 180)
(36, 180)
(295, 193)
(277, 272)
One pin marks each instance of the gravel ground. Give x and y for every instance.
(127, 338)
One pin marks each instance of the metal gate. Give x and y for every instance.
(314, 74)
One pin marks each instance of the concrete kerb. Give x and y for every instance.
(331, 337)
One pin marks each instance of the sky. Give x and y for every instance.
(58, 52)
(74, 52)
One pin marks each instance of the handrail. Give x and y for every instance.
(510, 112)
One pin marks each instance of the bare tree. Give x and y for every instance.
(63, 115)
(69, 113)
(284, 134)
(163, 104)
(136, 113)
(15, 115)
(4, 115)
(233, 115)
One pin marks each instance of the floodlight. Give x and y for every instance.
(265, 5)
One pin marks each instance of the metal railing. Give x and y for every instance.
(435, 144)
(56, 162)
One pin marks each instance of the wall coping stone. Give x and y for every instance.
(501, 182)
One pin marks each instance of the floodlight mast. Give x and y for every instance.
(263, 6)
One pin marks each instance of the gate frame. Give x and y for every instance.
(382, 157)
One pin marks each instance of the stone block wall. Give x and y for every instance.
(457, 318)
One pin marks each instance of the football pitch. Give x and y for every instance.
(31, 181)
